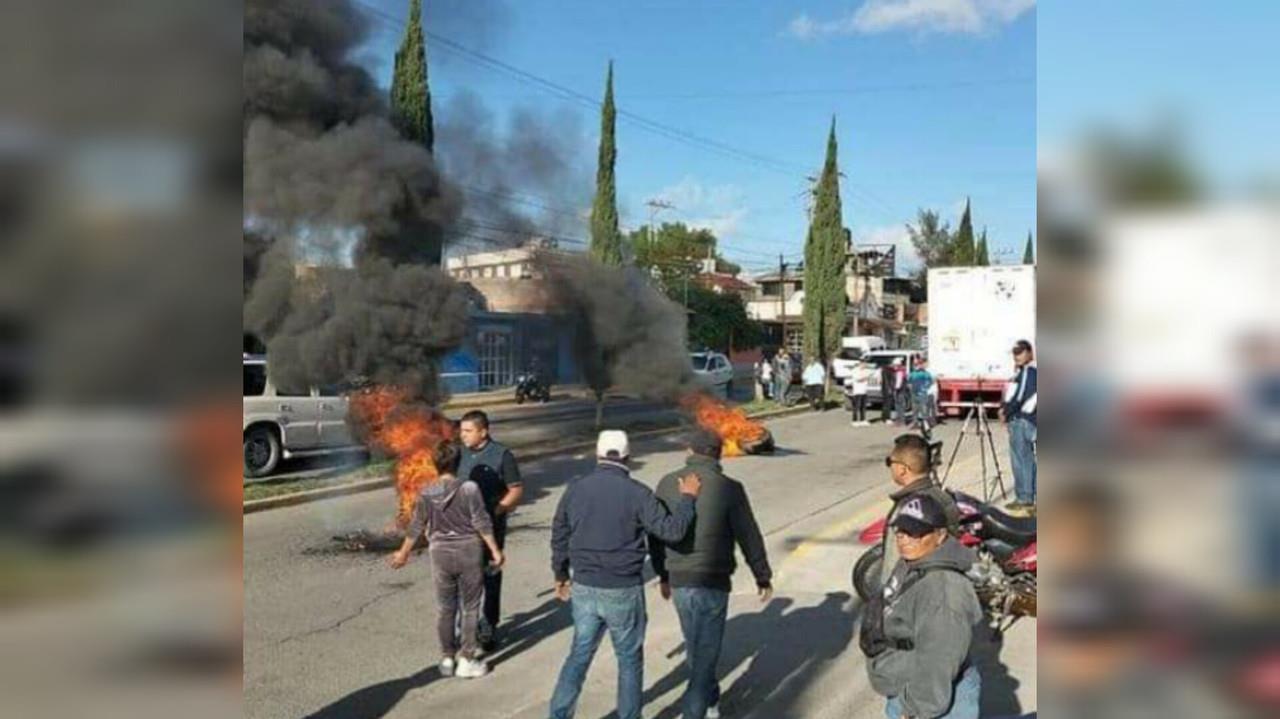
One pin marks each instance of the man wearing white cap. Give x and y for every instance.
(599, 533)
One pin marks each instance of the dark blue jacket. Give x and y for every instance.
(601, 523)
(1023, 401)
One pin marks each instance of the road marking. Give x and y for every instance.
(848, 525)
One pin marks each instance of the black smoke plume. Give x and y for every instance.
(628, 335)
(345, 285)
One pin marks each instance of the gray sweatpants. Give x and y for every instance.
(459, 580)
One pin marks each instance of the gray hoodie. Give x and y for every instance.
(450, 510)
(937, 613)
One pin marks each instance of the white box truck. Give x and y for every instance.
(975, 316)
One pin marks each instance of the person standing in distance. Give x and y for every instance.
(1019, 413)
(493, 468)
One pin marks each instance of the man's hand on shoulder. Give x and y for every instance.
(690, 485)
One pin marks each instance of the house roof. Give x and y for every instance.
(725, 282)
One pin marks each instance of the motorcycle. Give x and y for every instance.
(530, 386)
(1004, 575)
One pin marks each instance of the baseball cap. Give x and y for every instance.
(613, 444)
(919, 515)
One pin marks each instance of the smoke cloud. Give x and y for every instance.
(629, 335)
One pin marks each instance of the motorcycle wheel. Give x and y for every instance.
(866, 572)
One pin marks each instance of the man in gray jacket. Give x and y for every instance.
(917, 635)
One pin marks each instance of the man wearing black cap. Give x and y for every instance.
(697, 570)
(917, 633)
(1019, 411)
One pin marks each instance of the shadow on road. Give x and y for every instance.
(377, 700)
(999, 687)
(526, 629)
(785, 651)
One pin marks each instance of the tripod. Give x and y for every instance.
(986, 442)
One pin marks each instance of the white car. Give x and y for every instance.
(852, 349)
(280, 424)
(713, 369)
(879, 359)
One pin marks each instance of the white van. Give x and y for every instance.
(852, 351)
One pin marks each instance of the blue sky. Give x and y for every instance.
(934, 101)
(1207, 67)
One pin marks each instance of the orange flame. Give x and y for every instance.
(730, 423)
(409, 432)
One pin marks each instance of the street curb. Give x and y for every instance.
(311, 495)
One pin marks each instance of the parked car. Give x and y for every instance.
(714, 370)
(281, 423)
(877, 360)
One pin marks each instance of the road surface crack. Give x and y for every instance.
(398, 588)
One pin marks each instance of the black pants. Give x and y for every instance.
(859, 404)
(886, 405)
(814, 393)
(493, 584)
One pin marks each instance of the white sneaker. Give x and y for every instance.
(447, 666)
(471, 668)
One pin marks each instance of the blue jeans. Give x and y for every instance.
(1022, 447)
(595, 609)
(964, 703)
(702, 613)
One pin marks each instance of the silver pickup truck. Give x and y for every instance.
(280, 424)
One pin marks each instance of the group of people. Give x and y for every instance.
(916, 635)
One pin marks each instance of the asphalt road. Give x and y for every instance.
(342, 635)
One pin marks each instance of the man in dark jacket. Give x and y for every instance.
(599, 533)
(697, 570)
(493, 468)
(917, 635)
(1019, 411)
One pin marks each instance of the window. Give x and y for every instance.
(850, 354)
(496, 357)
(255, 380)
(335, 390)
(770, 290)
(293, 392)
(699, 363)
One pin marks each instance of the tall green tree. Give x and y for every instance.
(606, 241)
(965, 251)
(1029, 253)
(410, 96)
(981, 258)
(718, 321)
(932, 240)
(674, 251)
(824, 263)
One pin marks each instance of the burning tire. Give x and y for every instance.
(261, 451)
(763, 445)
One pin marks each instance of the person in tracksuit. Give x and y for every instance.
(1019, 413)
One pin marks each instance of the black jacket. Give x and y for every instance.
(601, 523)
(704, 557)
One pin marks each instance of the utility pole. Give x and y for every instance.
(782, 300)
(655, 205)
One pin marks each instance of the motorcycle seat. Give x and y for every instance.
(1017, 531)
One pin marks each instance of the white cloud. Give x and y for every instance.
(967, 17)
(908, 261)
(719, 208)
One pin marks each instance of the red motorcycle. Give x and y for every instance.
(1004, 575)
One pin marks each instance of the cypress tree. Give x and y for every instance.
(964, 252)
(410, 96)
(981, 259)
(824, 263)
(1028, 254)
(606, 242)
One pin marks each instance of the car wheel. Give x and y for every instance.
(261, 451)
